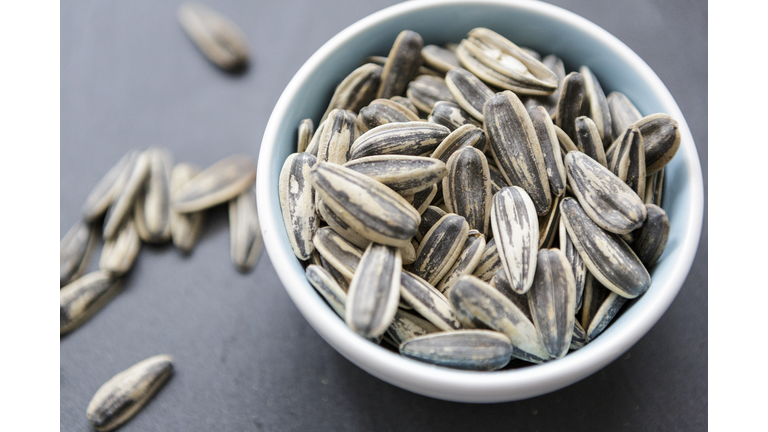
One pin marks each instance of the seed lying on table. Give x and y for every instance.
(217, 184)
(245, 233)
(215, 35)
(75, 251)
(84, 297)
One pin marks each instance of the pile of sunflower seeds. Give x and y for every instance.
(472, 203)
(145, 198)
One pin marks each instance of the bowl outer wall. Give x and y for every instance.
(577, 41)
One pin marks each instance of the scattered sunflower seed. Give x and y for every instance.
(152, 208)
(480, 350)
(244, 230)
(467, 188)
(122, 206)
(185, 227)
(215, 35)
(109, 187)
(217, 184)
(119, 253)
(75, 251)
(84, 297)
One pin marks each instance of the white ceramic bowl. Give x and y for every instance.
(547, 29)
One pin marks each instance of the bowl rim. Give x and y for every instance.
(470, 386)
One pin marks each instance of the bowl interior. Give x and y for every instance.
(547, 29)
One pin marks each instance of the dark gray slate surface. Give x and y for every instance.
(246, 359)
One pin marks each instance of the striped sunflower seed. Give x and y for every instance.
(337, 137)
(451, 115)
(654, 185)
(384, 111)
(549, 102)
(501, 283)
(661, 138)
(428, 301)
(493, 309)
(109, 187)
(337, 276)
(341, 254)
(550, 149)
(466, 262)
(467, 187)
(597, 105)
(610, 203)
(217, 184)
(372, 209)
(406, 326)
(84, 297)
(405, 175)
(440, 248)
(374, 291)
(327, 286)
(605, 255)
(244, 231)
(402, 64)
(122, 205)
(381, 61)
(489, 263)
(652, 238)
(516, 231)
(569, 106)
(600, 307)
(549, 225)
(421, 200)
(618, 163)
(464, 136)
(340, 227)
(516, 149)
(152, 208)
(125, 394)
(426, 90)
(216, 36)
(297, 200)
(404, 101)
(480, 350)
(552, 301)
(75, 251)
(185, 227)
(579, 337)
(119, 253)
(514, 68)
(314, 143)
(623, 113)
(357, 90)
(306, 130)
(439, 58)
(588, 139)
(429, 218)
(410, 138)
(578, 269)
(470, 93)
(635, 177)
(566, 144)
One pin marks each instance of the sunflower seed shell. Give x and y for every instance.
(216, 36)
(652, 238)
(404, 101)
(489, 263)
(470, 93)
(84, 297)
(75, 251)
(578, 269)
(152, 208)
(429, 218)
(480, 350)
(217, 184)
(410, 138)
(119, 253)
(341, 254)
(623, 113)
(588, 139)
(654, 185)
(467, 188)
(451, 115)
(306, 130)
(384, 111)
(421, 200)
(357, 90)
(440, 248)
(374, 291)
(661, 138)
(406, 326)
(439, 58)
(597, 105)
(123, 203)
(516, 231)
(297, 200)
(246, 242)
(466, 262)
(501, 283)
(109, 187)
(402, 64)
(428, 301)
(599, 309)
(406, 175)
(426, 90)
(550, 149)
(569, 106)
(326, 285)
(185, 227)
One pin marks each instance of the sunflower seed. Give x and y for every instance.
(440, 248)
(606, 255)
(470, 93)
(464, 136)
(404, 101)
(109, 187)
(314, 142)
(550, 149)
(661, 138)
(217, 184)
(406, 175)
(579, 337)
(515, 69)
(566, 144)
(623, 113)
(406, 326)
(185, 227)
(607, 200)
(489, 262)
(244, 230)
(152, 209)
(451, 115)
(652, 238)
(402, 64)
(635, 177)
(654, 185)
(373, 210)
(122, 206)
(597, 105)
(552, 300)
(374, 291)
(549, 102)
(327, 286)
(119, 253)
(588, 139)
(516, 230)
(408, 254)
(410, 138)
(337, 276)
(439, 58)
(297, 200)
(426, 90)
(578, 269)
(600, 307)
(467, 187)
(480, 350)
(466, 262)
(492, 308)
(84, 297)
(215, 35)
(429, 218)
(516, 149)
(618, 162)
(341, 254)
(569, 106)
(421, 200)
(75, 251)
(306, 130)
(120, 398)
(428, 301)
(340, 227)
(501, 283)
(549, 225)
(384, 111)
(357, 90)
(337, 137)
